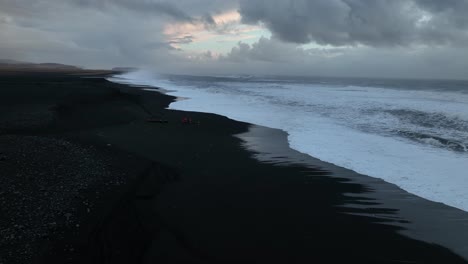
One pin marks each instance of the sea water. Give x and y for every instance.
(412, 133)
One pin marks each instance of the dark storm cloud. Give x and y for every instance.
(439, 6)
(367, 22)
(449, 13)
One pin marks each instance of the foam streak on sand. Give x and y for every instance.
(415, 138)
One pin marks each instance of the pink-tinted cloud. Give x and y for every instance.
(224, 26)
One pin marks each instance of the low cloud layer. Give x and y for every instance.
(274, 51)
(272, 56)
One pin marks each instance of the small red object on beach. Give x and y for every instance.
(187, 120)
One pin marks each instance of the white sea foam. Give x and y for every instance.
(413, 138)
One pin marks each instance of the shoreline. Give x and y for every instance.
(401, 147)
(196, 195)
(419, 218)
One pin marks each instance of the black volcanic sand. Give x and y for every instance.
(86, 179)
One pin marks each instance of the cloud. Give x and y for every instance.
(392, 38)
(452, 6)
(181, 40)
(272, 50)
(361, 22)
(63, 32)
(221, 23)
(149, 7)
(107, 33)
(220, 27)
(270, 56)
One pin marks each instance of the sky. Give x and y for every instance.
(359, 38)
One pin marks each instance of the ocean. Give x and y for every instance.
(412, 133)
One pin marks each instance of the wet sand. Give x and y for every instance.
(146, 192)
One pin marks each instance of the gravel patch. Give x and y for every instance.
(43, 182)
(22, 117)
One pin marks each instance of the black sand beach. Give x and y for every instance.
(86, 179)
